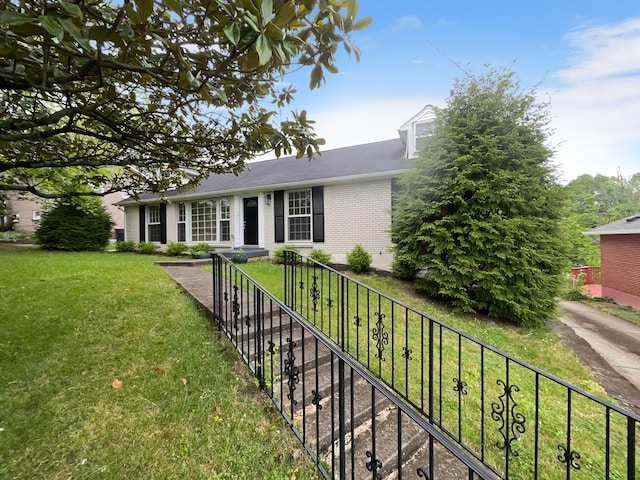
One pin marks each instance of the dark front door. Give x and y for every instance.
(251, 221)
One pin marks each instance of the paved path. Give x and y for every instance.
(610, 346)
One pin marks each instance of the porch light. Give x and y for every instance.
(267, 199)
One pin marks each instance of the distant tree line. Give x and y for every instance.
(592, 201)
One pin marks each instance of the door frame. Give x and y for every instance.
(256, 215)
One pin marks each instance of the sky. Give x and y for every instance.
(583, 56)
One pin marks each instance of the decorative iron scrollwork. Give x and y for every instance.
(571, 457)
(374, 465)
(380, 336)
(329, 302)
(226, 297)
(357, 320)
(422, 474)
(301, 285)
(247, 321)
(511, 422)
(316, 399)
(314, 293)
(272, 347)
(459, 386)
(235, 307)
(291, 370)
(406, 353)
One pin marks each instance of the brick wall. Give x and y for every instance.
(353, 213)
(620, 257)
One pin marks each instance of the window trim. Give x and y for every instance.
(156, 223)
(288, 216)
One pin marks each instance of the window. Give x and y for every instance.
(299, 215)
(36, 216)
(421, 131)
(203, 221)
(225, 221)
(154, 233)
(182, 222)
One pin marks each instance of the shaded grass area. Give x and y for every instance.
(73, 324)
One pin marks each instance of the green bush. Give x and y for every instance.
(13, 236)
(175, 249)
(200, 249)
(125, 246)
(358, 259)
(278, 253)
(320, 256)
(75, 224)
(146, 248)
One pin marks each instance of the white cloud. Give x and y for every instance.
(596, 107)
(406, 23)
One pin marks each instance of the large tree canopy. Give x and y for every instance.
(150, 94)
(479, 216)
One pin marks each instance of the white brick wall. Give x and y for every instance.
(353, 213)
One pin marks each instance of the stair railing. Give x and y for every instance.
(493, 405)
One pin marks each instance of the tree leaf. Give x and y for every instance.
(145, 8)
(173, 5)
(263, 49)
(116, 384)
(14, 18)
(266, 9)
(362, 23)
(285, 14)
(273, 31)
(71, 9)
(52, 26)
(232, 32)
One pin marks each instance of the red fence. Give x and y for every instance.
(592, 275)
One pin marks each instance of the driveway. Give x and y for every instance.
(608, 345)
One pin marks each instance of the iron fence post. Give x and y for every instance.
(342, 419)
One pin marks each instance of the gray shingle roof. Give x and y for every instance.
(370, 159)
(626, 225)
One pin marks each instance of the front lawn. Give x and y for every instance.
(108, 371)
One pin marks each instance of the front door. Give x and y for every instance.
(251, 221)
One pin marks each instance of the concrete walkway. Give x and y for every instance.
(615, 341)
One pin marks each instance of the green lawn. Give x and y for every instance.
(73, 327)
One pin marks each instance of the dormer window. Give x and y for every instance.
(415, 130)
(421, 130)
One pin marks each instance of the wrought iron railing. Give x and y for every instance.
(349, 422)
(517, 420)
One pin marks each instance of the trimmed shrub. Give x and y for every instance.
(358, 259)
(200, 249)
(320, 256)
(175, 249)
(75, 224)
(146, 248)
(125, 246)
(278, 253)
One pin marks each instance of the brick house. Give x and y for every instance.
(620, 259)
(339, 199)
(27, 211)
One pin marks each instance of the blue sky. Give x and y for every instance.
(582, 55)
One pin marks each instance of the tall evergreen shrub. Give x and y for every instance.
(479, 216)
(76, 224)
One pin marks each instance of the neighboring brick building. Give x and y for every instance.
(27, 211)
(620, 259)
(339, 199)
